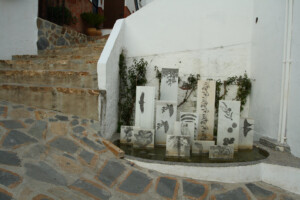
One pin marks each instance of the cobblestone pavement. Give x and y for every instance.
(47, 155)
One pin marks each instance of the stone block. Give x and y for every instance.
(169, 84)
(9, 179)
(188, 117)
(194, 190)
(166, 112)
(12, 124)
(228, 123)
(4, 195)
(260, 193)
(178, 146)
(59, 128)
(238, 193)
(246, 133)
(221, 152)
(64, 144)
(15, 139)
(38, 130)
(144, 107)
(167, 187)
(9, 158)
(110, 172)
(126, 134)
(143, 138)
(91, 189)
(206, 92)
(201, 146)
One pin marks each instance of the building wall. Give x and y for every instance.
(18, 30)
(211, 38)
(293, 117)
(266, 65)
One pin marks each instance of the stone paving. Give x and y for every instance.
(46, 155)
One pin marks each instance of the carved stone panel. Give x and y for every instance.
(169, 84)
(206, 92)
(189, 117)
(144, 107)
(165, 119)
(200, 146)
(228, 123)
(221, 152)
(143, 138)
(178, 146)
(246, 133)
(126, 134)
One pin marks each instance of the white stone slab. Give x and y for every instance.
(166, 112)
(190, 117)
(200, 146)
(206, 92)
(185, 128)
(169, 84)
(221, 152)
(126, 134)
(144, 107)
(228, 123)
(246, 133)
(178, 146)
(143, 138)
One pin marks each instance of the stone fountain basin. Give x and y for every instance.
(280, 169)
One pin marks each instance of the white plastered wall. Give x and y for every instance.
(266, 65)
(18, 29)
(293, 117)
(210, 38)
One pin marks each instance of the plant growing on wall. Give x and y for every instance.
(93, 20)
(244, 89)
(129, 79)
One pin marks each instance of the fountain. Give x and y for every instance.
(191, 139)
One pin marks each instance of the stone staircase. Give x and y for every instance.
(63, 79)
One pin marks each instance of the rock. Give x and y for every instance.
(64, 144)
(194, 189)
(16, 138)
(43, 172)
(29, 121)
(111, 171)
(78, 129)
(62, 118)
(3, 111)
(259, 192)
(9, 158)
(61, 41)
(9, 179)
(135, 183)
(167, 187)
(4, 195)
(42, 43)
(12, 124)
(87, 156)
(38, 130)
(35, 151)
(238, 193)
(95, 146)
(91, 189)
(74, 122)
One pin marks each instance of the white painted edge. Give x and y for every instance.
(106, 53)
(287, 178)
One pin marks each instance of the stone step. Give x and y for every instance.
(54, 57)
(53, 78)
(76, 101)
(55, 65)
(88, 44)
(73, 51)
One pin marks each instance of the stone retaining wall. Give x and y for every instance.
(51, 35)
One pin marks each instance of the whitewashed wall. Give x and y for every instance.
(293, 118)
(18, 32)
(210, 38)
(108, 77)
(266, 66)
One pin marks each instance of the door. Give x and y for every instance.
(113, 10)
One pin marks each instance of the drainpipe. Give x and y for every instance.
(285, 71)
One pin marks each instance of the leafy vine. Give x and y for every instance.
(130, 77)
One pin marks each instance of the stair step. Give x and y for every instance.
(54, 57)
(73, 51)
(58, 65)
(45, 77)
(76, 101)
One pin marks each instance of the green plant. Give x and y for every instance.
(129, 79)
(60, 15)
(244, 89)
(92, 19)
